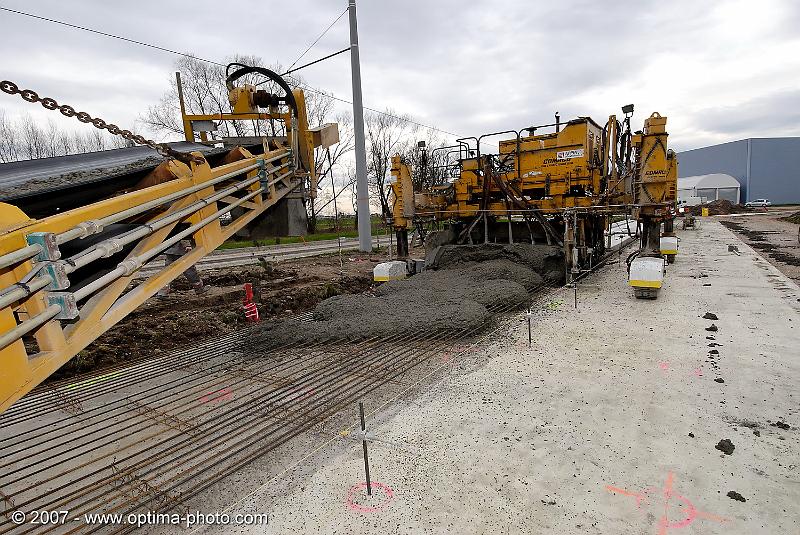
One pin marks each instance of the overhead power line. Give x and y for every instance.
(184, 54)
(317, 39)
(106, 34)
(329, 56)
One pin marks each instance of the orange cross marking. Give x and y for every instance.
(669, 494)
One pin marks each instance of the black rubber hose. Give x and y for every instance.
(228, 68)
(629, 260)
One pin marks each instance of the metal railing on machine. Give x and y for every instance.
(35, 279)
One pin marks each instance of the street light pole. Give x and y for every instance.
(362, 188)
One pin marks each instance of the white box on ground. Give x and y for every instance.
(390, 271)
(669, 245)
(646, 272)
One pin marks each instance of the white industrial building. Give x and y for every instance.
(706, 188)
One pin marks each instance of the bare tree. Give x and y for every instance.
(9, 139)
(387, 134)
(429, 163)
(33, 142)
(25, 139)
(328, 171)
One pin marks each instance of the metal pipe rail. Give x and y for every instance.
(87, 228)
(125, 268)
(33, 303)
(113, 245)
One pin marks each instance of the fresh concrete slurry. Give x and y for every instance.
(607, 424)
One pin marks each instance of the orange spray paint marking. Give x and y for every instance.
(669, 495)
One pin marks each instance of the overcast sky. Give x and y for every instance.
(720, 70)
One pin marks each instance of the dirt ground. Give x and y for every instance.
(184, 318)
(775, 238)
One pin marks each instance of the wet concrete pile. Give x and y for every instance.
(457, 292)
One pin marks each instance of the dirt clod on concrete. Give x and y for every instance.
(733, 495)
(781, 425)
(456, 294)
(712, 329)
(710, 316)
(719, 380)
(725, 446)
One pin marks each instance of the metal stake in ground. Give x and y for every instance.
(529, 327)
(575, 285)
(364, 442)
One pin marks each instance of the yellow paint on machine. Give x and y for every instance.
(387, 278)
(645, 284)
(669, 251)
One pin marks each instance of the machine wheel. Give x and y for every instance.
(671, 258)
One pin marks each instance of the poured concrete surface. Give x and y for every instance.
(607, 424)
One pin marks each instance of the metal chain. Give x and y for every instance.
(68, 111)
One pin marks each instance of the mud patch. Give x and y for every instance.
(794, 218)
(786, 258)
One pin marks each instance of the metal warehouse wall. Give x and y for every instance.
(775, 169)
(772, 172)
(728, 158)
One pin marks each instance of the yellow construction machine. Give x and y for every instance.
(563, 188)
(66, 278)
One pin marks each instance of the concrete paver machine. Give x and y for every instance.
(563, 188)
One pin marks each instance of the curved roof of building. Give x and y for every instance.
(715, 180)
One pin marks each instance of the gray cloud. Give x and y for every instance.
(775, 114)
(720, 71)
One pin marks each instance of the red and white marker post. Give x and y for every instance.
(250, 308)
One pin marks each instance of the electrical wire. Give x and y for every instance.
(329, 56)
(296, 80)
(317, 39)
(105, 34)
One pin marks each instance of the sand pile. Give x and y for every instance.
(457, 293)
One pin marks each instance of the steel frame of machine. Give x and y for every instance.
(43, 324)
(566, 183)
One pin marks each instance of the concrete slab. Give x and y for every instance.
(607, 424)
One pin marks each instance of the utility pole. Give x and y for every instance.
(362, 188)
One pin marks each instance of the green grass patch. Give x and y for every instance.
(238, 244)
